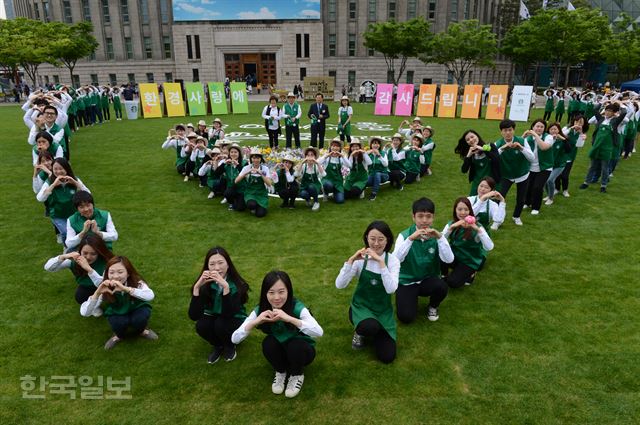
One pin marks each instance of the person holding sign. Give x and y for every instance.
(478, 159)
(272, 115)
(318, 114)
(292, 113)
(345, 112)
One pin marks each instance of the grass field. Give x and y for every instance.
(547, 334)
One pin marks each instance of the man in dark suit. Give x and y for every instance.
(318, 113)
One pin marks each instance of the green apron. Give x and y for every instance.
(283, 332)
(310, 179)
(124, 304)
(342, 127)
(334, 175)
(482, 169)
(548, 106)
(483, 217)
(428, 154)
(84, 280)
(216, 300)
(357, 177)
(602, 148)
(468, 252)
(255, 190)
(560, 107)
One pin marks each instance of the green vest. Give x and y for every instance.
(124, 304)
(482, 169)
(59, 202)
(310, 179)
(422, 260)
(80, 105)
(483, 217)
(283, 332)
(216, 300)
(545, 158)
(53, 149)
(602, 148)
(255, 190)
(428, 155)
(573, 141)
(376, 166)
(180, 160)
(291, 111)
(560, 107)
(334, 175)
(395, 165)
(468, 252)
(357, 177)
(100, 216)
(230, 173)
(104, 100)
(99, 266)
(513, 163)
(574, 105)
(559, 156)
(412, 161)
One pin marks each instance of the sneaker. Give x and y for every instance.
(517, 221)
(583, 186)
(215, 355)
(417, 178)
(546, 198)
(610, 175)
(401, 187)
(316, 206)
(211, 195)
(278, 383)
(111, 342)
(97, 312)
(432, 314)
(372, 197)
(495, 226)
(294, 386)
(555, 192)
(308, 201)
(468, 283)
(357, 342)
(548, 202)
(149, 334)
(224, 201)
(535, 212)
(429, 172)
(525, 206)
(362, 195)
(603, 189)
(186, 179)
(200, 185)
(230, 353)
(566, 194)
(230, 207)
(59, 239)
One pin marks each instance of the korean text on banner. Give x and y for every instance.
(448, 101)
(404, 99)
(520, 103)
(471, 101)
(239, 101)
(426, 100)
(497, 102)
(196, 99)
(217, 98)
(173, 99)
(150, 100)
(384, 96)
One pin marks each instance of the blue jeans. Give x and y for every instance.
(61, 225)
(329, 187)
(375, 180)
(598, 168)
(137, 319)
(550, 184)
(309, 192)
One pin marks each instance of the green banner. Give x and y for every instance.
(195, 99)
(217, 98)
(239, 101)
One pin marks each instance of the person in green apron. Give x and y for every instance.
(218, 299)
(57, 193)
(310, 173)
(469, 242)
(396, 159)
(576, 135)
(117, 103)
(290, 329)
(333, 163)
(479, 159)
(549, 96)
(371, 310)
(560, 107)
(541, 145)
(489, 206)
(560, 146)
(624, 130)
(414, 159)
(104, 104)
(216, 133)
(428, 145)
(256, 177)
(286, 185)
(89, 220)
(378, 170)
(420, 249)
(345, 113)
(588, 105)
(125, 299)
(631, 131)
(203, 131)
(87, 264)
(229, 168)
(574, 105)
(359, 162)
(199, 157)
(177, 140)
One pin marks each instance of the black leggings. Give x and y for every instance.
(254, 206)
(235, 198)
(289, 195)
(217, 330)
(562, 182)
(396, 177)
(460, 274)
(559, 116)
(410, 178)
(291, 356)
(384, 345)
(547, 115)
(273, 138)
(535, 188)
(521, 194)
(628, 146)
(407, 297)
(352, 193)
(83, 293)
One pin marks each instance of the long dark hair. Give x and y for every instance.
(383, 228)
(358, 157)
(64, 164)
(462, 148)
(98, 246)
(468, 231)
(133, 281)
(585, 123)
(536, 122)
(241, 284)
(237, 148)
(269, 280)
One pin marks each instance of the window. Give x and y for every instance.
(75, 79)
(124, 11)
(411, 9)
(131, 78)
(46, 79)
(352, 44)
(106, 18)
(56, 79)
(392, 10)
(168, 77)
(371, 52)
(94, 79)
(409, 77)
(303, 73)
(332, 74)
(148, 51)
(36, 11)
(389, 77)
(467, 6)
(302, 50)
(164, 11)
(352, 10)
(196, 41)
(332, 10)
(166, 42)
(454, 10)
(332, 44)
(372, 10)
(189, 48)
(432, 10)
(196, 74)
(113, 80)
(149, 77)
(306, 45)
(351, 78)
(109, 47)
(449, 77)
(45, 10)
(144, 11)
(92, 56)
(128, 48)
(66, 11)
(298, 45)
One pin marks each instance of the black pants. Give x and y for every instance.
(562, 182)
(317, 135)
(254, 206)
(547, 115)
(407, 297)
(137, 320)
(343, 136)
(217, 330)
(291, 356)
(106, 113)
(83, 293)
(459, 275)
(628, 147)
(295, 132)
(396, 177)
(384, 345)
(71, 119)
(79, 118)
(234, 198)
(535, 188)
(273, 138)
(521, 194)
(559, 117)
(352, 193)
(67, 153)
(289, 194)
(410, 177)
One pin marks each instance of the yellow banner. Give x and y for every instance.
(150, 100)
(173, 99)
(426, 100)
(448, 101)
(497, 102)
(471, 101)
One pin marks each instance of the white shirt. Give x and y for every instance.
(275, 114)
(309, 326)
(390, 273)
(109, 235)
(403, 246)
(497, 210)
(43, 196)
(142, 292)
(482, 236)
(54, 264)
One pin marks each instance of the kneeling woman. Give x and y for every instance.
(290, 329)
(87, 265)
(126, 298)
(217, 303)
(469, 242)
(256, 177)
(371, 311)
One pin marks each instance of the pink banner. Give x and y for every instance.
(404, 99)
(384, 96)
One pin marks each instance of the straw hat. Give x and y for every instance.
(398, 136)
(290, 94)
(214, 151)
(192, 135)
(338, 141)
(256, 151)
(190, 125)
(292, 159)
(375, 138)
(428, 127)
(344, 98)
(218, 120)
(199, 138)
(355, 141)
(417, 119)
(221, 143)
(202, 122)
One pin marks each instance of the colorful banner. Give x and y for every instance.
(150, 100)
(384, 97)
(448, 101)
(217, 99)
(404, 100)
(520, 103)
(497, 102)
(426, 100)
(173, 99)
(471, 101)
(196, 99)
(239, 101)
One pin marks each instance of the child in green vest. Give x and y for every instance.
(286, 185)
(310, 174)
(345, 113)
(420, 249)
(290, 329)
(479, 159)
(396, 159)
(89, 220)
(257, 180)
(371, 311)
(359, 162)
(378, 170)
(333, 163)
(217, 303)
(428, 145)
(87, 264)
(469, 242)
(125, 299)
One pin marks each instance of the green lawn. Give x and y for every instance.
(547, 334)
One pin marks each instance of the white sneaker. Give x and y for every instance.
(59, 239)
(566, 194)
(546, 198)
(432, 314)
(186, 179)
(525, 206)
(555, 192)
(495, 226)
(200, 185)
(316, 206)
(517, 221)
(97, 312)
(535, 212)
(610, 175)
(429, 172)
(362, 195)
(548, 202)
(418, 178)
(278, 383)
(294, 385)
(211, 195)
(357, 342)
(224, 201)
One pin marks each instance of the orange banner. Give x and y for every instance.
(497, 102)
(448, 101)
(471, 101)
(426, 100)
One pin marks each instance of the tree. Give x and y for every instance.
(463, 46)
(522, 44)
(398, 41)
(623, 48)
(9, 59)
(73, 42)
